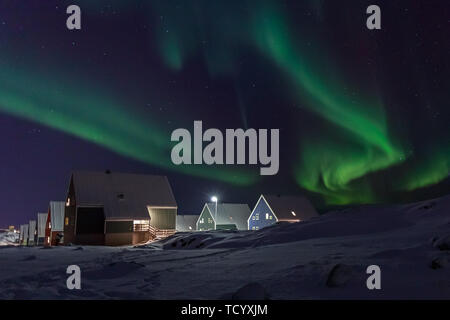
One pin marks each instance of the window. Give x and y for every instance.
(257, 216)
(202, 220)
(68, 202)
(253, 228)
(141, 225)
(253, 218)
(66, 221)
(256, 228)
(267, 216)
(49, 225)
(209, 220)
(270, 217)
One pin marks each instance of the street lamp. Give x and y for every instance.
(214, 199)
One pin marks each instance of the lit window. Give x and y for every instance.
(66, 221)
(190, 228)
(256, 228)
(257, 216)
(68, 202)
(253, 218)
(49, 225)
(270, 217)
(267, 216)
(253, 228)
(293, 213)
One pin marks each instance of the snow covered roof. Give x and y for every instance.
(21, 232)
(230, 213)
(25, 232)
(31, 229)
(122, 195)
(41, 221)
(57, 215)
(186, 222)
(291, 207)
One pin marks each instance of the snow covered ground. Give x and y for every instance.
(325, 258)
(8, 238)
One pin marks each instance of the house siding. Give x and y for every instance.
(205, 221)
(90, 226)
(69, 227)
(163, 218)
(261, 216)
(119, 226)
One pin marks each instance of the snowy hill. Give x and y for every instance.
(8, 238)
(325, 258)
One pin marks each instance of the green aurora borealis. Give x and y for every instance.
(361, 139)
(334, 169)
(97, 119)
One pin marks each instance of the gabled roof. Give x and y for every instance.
(57, 215)
(186, 222)
(122, 195)
(290, 207)
(41, 222)
(230, 213)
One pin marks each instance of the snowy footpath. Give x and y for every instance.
(325, 258)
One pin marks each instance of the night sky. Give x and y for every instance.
(364, 115)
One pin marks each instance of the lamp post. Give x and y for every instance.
(214, 199)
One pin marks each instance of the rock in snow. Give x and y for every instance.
(251, 291)
(339, 275)
(442, 243)
(440, 262)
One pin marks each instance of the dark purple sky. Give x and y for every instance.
(127, 52)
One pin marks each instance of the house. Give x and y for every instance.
(21, 234)
(186, 222)
(54, 226)
(32, 233)
(25, 235)
(229, 216)
(41, 226)
(108, 208)
(271, 209)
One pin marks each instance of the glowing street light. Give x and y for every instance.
(214, 199)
